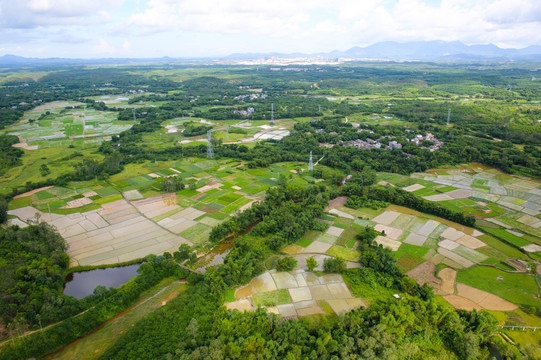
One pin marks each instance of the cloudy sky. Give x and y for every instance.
(195, 28)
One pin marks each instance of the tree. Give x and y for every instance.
(286, 264)
(44, 170)
(173, 184)
(311, 263)
(334, 265)
(3, 210)
(184, 252)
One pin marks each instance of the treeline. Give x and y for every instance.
(9, 156)
(287, 212)
(109, 304)
(32, 278)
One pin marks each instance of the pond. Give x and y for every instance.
(81, 284)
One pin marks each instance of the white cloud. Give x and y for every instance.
(103, 48)
(263, 25)
(27, 14)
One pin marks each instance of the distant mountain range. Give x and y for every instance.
(388, 50)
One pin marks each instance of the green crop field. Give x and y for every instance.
(520, 289)
(272, 298)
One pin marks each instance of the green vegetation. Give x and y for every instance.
(272, 298)
(343, 253)
(334, 265)
(93, 345)
(32, 277)
(311, 263)
(356, 119)
(520, 289)
(286, 264)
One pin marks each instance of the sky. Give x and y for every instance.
(207, 28)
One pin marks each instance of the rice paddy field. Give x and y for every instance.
(506, 206)
(128, 217)
(469, 268)
(491, 267)
(60, 124)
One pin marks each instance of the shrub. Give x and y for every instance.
(334, 265)
(286, 264)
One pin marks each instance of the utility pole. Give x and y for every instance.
(210, 151)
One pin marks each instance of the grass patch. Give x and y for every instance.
(197, 233)
(326, 238)
(470, 254)
(272, 298)
(343, 253)
(106, 191)
(367, 284)
(445, 189)
(187, 192)
(502, 234)
(502, 247)
(350, 244)
(80, 209)
(408, 261)
(20, 202)
(108, 199)
(304, 242)
(414, 250)
(520, 289)
(326, 307)
(230, 295)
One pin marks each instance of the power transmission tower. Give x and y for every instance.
(227, 136)
(133, 111)
(448, 116)
(84, 121)
(311, 163)
(210, 152)
(272, 114)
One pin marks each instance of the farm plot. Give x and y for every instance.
(128, 217)
(297, 294)
(65, 122)
(511, 202)
(113, 234)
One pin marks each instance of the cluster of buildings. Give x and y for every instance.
(418, 139)
(387, 143)
(250, 96)
(246, 112)
(373, 144)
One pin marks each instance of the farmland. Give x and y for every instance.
(100, 219)
(152, 190)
